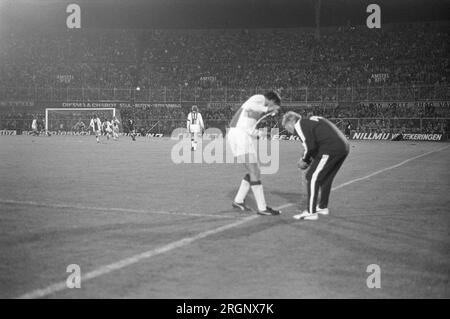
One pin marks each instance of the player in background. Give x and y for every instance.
(79, 126)
(115, 128)
(108, 129)
(46, 132)
(96, 126)
(34, 127)
(41, 125)
(132, 129)
(104, 125)
(241, 137)
(194, 126)
(348, 129)
(325, 150)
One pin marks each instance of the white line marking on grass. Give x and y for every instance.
(380, 171)
(108, 209)
(389, 168)
(102, 270)
(284, 206)
(134, 259)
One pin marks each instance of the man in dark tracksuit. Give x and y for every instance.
(132, 129)
(326, 148)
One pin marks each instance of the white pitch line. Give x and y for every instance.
(107, 209)
(379, 171)
(102, 270)
(389, 168)
(284, 206)
(134, 259)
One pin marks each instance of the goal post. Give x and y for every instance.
(65, 119)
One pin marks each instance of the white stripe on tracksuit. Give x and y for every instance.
(316, 173)
(318, 169)
(302, 136)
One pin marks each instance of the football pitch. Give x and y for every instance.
(140, 226)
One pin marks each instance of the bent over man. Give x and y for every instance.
(242, 138)
(325, 150)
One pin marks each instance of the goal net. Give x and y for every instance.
(77, 119)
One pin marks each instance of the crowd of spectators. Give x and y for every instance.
(233, 58)
(98, 58)
(354, 72)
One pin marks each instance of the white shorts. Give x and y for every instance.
(194, 128)
(241, 143)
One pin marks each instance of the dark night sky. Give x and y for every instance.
(214, 13)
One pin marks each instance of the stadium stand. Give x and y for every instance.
(400, 71)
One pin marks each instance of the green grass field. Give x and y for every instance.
(140, 226)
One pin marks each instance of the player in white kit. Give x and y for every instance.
(108, 129)
(96, 126)
(242, 138)
(34, 127)
(115, 128)
(194, 126)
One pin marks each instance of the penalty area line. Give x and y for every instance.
(109, 209)
(103, 270)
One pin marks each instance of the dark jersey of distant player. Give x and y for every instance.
(320, 136)
(131, 125)
(96, 125)
(348, 129)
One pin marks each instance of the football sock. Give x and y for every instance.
(243, 190)
(258, 192)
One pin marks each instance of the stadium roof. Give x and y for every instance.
(217, 13)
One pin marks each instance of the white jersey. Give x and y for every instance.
(248, 114)
(241, 135)
(115, 124)
(195, 122)
(34, 124)
(96, 124)
(108, 126)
